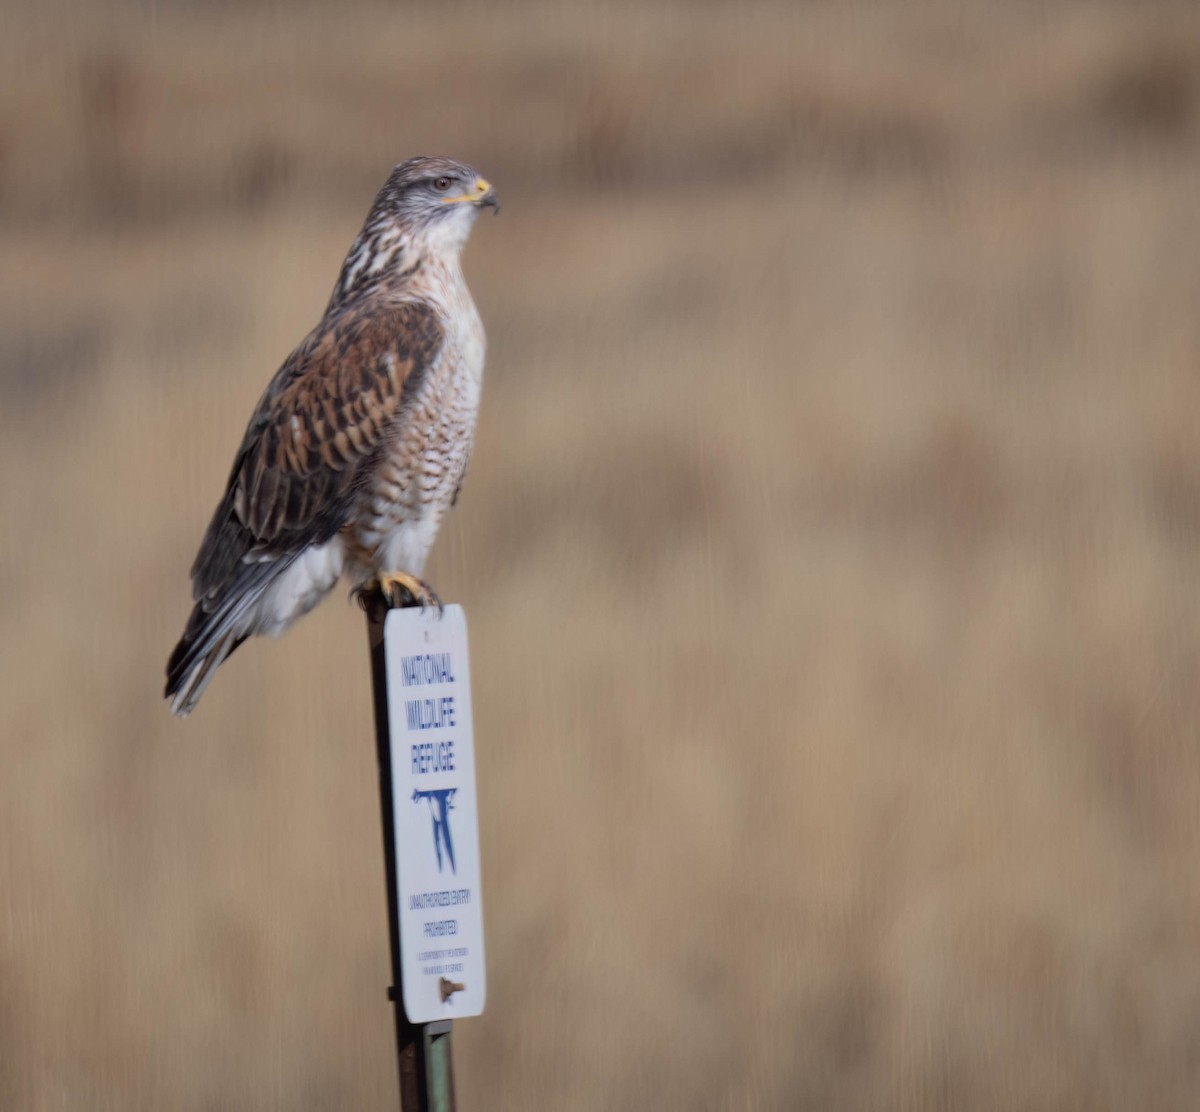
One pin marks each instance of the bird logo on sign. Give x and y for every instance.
(440, 805)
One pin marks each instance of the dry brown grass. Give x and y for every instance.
(829, 552)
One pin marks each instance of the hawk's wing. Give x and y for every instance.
(320, 421)
(310, 445)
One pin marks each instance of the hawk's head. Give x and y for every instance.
(436, 199)
(426, 208)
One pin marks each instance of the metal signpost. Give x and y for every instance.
(423, 737)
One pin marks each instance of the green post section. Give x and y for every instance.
(439, 1068)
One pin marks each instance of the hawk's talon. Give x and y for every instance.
(401, 591)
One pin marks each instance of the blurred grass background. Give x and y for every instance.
(829, 552)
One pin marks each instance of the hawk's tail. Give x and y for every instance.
(213, 631)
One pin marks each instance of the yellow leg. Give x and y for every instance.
(401, 589)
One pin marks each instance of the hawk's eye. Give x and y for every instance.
(441, 184)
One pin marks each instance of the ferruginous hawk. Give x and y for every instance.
(359, 445)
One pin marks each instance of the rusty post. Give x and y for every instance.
(423, 1050)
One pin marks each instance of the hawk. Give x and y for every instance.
(359, 445)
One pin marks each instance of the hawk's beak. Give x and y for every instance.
(482, 195)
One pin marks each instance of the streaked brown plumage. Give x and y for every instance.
(360, 442)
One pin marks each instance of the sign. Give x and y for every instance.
(437, 827)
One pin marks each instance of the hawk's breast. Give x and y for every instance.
(421, 464)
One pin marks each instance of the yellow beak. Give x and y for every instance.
(481, 194)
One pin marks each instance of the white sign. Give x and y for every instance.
(437, 827)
